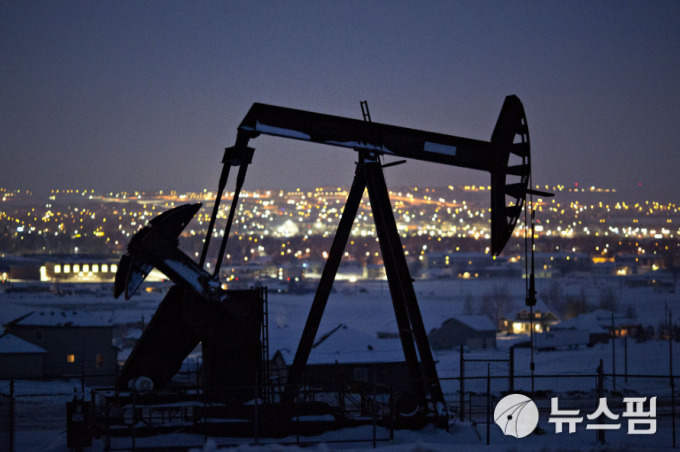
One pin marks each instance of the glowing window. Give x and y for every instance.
(95, 268)
(67, 268)
(105, 268)
(114, 268)
(76, 268)
(86, 267)
(70, 358)
(57, 268)
(517, 327)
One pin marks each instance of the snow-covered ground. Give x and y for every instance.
(367, 308)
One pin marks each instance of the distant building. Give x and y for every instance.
(74, 268)
(638, 264)
(20, 358)
(549, 265)
(472, 331)
(20, 268)
(468, 265)
(662, 281)
(59, 268)
(77, 343)
(375, 271)
(602, 325)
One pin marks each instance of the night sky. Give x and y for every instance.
(120, 95)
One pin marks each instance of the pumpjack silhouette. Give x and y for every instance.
(229, 324)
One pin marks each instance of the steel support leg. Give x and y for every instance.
(240, 178)
(220, 190)
(325, 285)
(401, 287)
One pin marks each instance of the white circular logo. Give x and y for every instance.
(516, 415)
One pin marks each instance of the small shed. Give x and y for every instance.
(20, 358)
(348, 356)
(473, 331)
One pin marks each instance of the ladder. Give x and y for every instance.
(265, 382)
(364, 110)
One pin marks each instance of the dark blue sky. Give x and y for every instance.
(115, 95)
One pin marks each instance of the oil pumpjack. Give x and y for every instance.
(229, 323)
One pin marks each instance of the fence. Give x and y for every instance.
(33, 415)
(7, 416)
(582, 393)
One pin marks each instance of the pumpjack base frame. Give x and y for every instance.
(189, 413)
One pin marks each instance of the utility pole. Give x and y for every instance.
(613, 352)
(670, 365)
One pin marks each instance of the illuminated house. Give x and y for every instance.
(77, 343)
(519, 322)
(602, 325)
